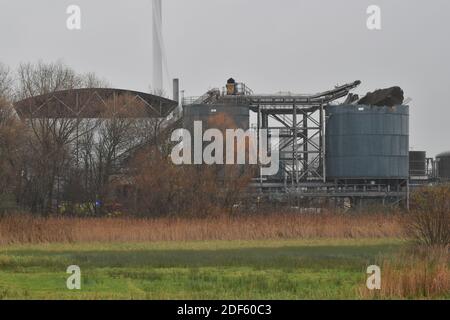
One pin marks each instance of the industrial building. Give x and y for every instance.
(334, 148)
(89, 103)
(331, 152)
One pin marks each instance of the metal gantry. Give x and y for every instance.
(300, 122)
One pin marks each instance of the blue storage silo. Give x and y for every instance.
(443, 165)
(367, 142)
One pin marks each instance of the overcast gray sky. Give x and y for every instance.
(302, 46)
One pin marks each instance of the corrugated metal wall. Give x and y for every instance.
(215, 116)
(367, 142)
(417, 163)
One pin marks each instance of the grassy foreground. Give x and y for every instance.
(269, 269)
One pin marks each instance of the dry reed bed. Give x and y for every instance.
(18, 229)
(417, 273)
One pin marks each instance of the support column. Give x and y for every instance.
(322, 165)
(295, 148)
(305, 145)
(258, 133)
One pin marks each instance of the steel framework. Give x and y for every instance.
(300, 123)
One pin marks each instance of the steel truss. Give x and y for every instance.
(300, 122)
(89, 103)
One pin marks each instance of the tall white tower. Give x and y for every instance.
(157, 47)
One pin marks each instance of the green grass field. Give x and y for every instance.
(319, 269)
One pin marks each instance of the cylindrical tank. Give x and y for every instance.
(443, 165)
(417, 163)
(367, 142)
(217, 116)
(221, 117)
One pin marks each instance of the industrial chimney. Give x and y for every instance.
(157, 47)
(176, 90)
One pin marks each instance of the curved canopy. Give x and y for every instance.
(90, 103)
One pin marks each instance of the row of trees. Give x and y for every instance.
(117, 162)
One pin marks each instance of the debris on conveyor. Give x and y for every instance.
(351, 98)
(389, 97)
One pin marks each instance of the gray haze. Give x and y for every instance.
(302, 46)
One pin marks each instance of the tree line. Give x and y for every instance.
(116, 163)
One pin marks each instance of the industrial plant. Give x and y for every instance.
(335, 148)
(355, 151)
(228, 156)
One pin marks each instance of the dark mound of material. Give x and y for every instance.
(389, 97)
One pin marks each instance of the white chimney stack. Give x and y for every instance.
(157, 47)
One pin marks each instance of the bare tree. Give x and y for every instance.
(50, 145)
(158, 92)
(12, 138)
(54, 136)
(429, 219)
(6, 82)
(91, 80)
(43, 78)
(123, 129)
(162, 188)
